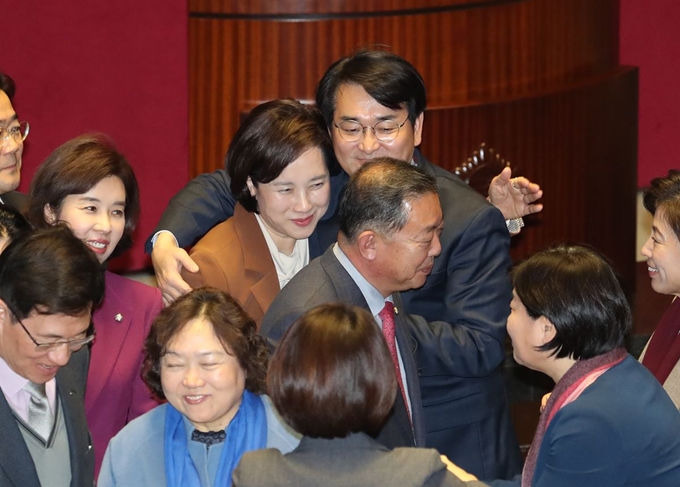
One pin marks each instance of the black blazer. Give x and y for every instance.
(324, 280)
(16, 465)
(15, 199)
(342, 462)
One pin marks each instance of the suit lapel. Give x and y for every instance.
(15, 459)
(112, 323)
(70, 387)
(348, 292)
(257, 259)
(345, 288)
(407, 348)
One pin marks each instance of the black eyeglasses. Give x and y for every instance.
(73, 345)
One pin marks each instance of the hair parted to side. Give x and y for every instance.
(332, 374)
(390, 79)
(7, 85)
(274, 135)
(579, 292)
(663, 195)
(376, 197)
(50, 271)
(76, 167)
(233, 327)
(12, 223)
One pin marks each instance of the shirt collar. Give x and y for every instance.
(375, 300)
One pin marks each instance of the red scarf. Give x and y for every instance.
(663, 352)
(575, 376)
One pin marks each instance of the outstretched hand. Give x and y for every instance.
(168, 260)
(515, 197)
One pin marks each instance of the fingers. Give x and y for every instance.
(168, 260)
(503, 178)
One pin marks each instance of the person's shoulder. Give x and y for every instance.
(149, 425)
(130, 290)
(258, 468)
(279, 435)
(221, 236)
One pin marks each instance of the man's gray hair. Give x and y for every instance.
(377, 195)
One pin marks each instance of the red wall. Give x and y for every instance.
(650, 39)
(116, 67)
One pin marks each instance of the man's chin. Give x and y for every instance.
(8, 185)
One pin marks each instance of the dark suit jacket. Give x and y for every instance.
(234, 257)
(324, 280)
(15, 199)
(465, 408)
(340, 462)
(466, 299)
(623, 430)
(16, 465)
(116, 393)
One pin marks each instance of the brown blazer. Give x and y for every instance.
(234, 257)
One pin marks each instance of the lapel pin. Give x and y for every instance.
(396, 310)
(118, 317)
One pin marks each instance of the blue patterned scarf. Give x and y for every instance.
(247, 431)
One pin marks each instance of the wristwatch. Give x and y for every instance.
(514, 225)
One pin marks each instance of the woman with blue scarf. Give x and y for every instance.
(203, 355)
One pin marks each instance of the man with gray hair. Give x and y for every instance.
(390, 221)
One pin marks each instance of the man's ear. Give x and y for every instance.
(366, 244)
(49, 214)
(418, 130)
(5, 315)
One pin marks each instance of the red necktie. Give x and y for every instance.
(387, 317)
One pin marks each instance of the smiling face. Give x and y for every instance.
(662, 250)
(19, 352)
(292, 204)
(200, 378)
(405, 258)
(97, 217)
(10, 150)
(355, 104)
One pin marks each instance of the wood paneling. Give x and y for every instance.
(538, 80)
(579, 142)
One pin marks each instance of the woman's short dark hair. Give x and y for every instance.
(390, 79)
(233, 327)
(12, 223)
(273, 136)
(664, 194)
(332, 374)
(579, 292)
(76, 167)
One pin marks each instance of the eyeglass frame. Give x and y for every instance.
(8, 133)
(51, 346)
(364, 127)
